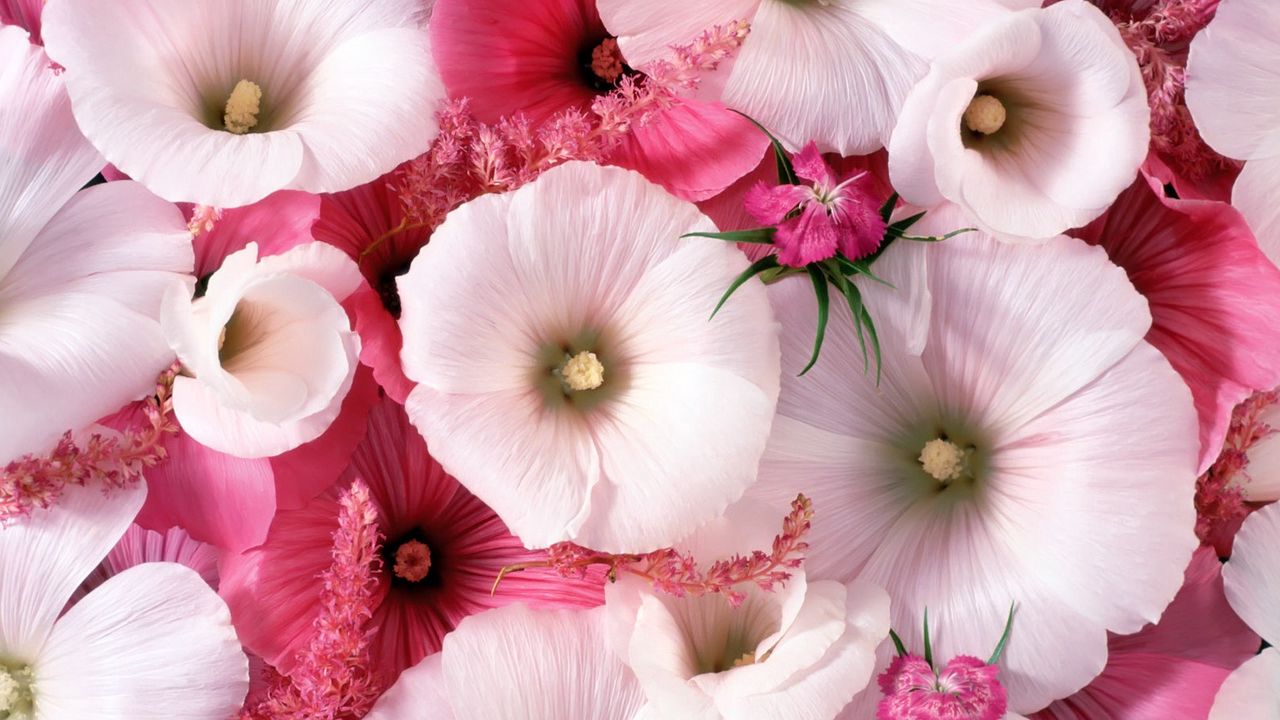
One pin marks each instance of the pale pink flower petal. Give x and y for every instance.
(631, 469)
(347, 92)
(152, 643)
(1252, 576)
(278, 222)
(46, 556)
(23, 13)
(1257, 196)
(418, 694)
(139, 545)
(1252, 692)
(1233, 84)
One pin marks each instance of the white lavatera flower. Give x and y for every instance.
(1251, 579)
(1033, 125)
(800, 651)
(153, 642)
(268, 352)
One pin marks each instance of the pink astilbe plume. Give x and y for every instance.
(334, 677)
(677, 573)
(1220, 491)
(470, 158)
(115, 460)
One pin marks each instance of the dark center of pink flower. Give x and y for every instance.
(388, 292)
(411, 563)
(602, 64)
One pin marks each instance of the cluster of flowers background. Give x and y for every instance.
(639, 359)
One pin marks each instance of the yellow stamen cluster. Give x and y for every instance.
(15, 693)
(583, 371)
(242, 109)
(746, 659)
(943, 460)
(985, 114)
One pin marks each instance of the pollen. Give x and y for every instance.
(985, 114)
(943, 460)
(15, 693)
(606, 61)
(242, 109)
(746, 659)
(583, 371)
(413, 561)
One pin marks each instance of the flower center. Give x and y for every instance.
(746, 659)
(241, 113)
(413, 561)
(606, 61)
(944, 460)
(985, 115)
(15, 693)
(580, 372)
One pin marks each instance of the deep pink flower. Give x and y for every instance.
(964, 689)
(443, 550)
(818, 220)
(1214, 296)
(1173, 668)
(23, 13)
(543, 57)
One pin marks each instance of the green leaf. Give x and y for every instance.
(900, 227)
(886, 210)
(786, 172)
(765, 263)
(759, 236)
(897, 643)
(824, 307)
(854, 297)
(1004, 639)
(928, 648)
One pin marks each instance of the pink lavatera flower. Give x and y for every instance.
(1173, 668)
(82, 273)
(223, 102)
(441, 552)
(139, 545)
(1252, 581)
(543, 57)
(151, 643)
(1213, 295)
(965, 687)
(545, 665)
(817, 220)
(1050, 94)
(567, 374)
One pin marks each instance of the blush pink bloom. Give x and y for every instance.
(362, 222)
(23, 13)
(223, 102)
(817, 220)
(567, 373)
(441, 553)
(543, 57)
(139, 545)
(1252, 581)
(1033, 125)
(517, 662)
(82, 273)
(994, 462)
(1214, 297)
(965, 688)
(833, 72)
(150, 643)
(1171, 669)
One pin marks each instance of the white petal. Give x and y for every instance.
(44, 557)
(1252, 576)
(1233, 84)
(553, 665)
(1252, 692)
(1257, 196)
(154, 642)
(647, 29)
(418, 694)
(46, 159)
(321, 263)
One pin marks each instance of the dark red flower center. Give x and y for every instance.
(602, 64)
(410, 561)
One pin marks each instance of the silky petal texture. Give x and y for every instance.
(272, 590)
(277, 223)
(23, 13)
(1252, 576)
(139, 545)
(46, 159)
(1060, 442)
(524, 280)
(1233, 85)
(554, 665)
(1214, 297)
(1257, 196)
(1173, 668)
(418, 694)
(1252, 692)
(327, 126)
(646, 30)
(152, 642)
(44, 558)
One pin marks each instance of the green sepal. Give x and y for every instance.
(854, 297)
(886, 210)
(874, 338)
(897, 643)
(1004, 639)
(897, 229)
(767, 262)
(759, 236)
(928, 648)
(824, 309)
(786, 171)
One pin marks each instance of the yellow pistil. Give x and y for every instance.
(243, 107)
(943, 460)
(985, 114)
(583, 371)
(746, 659)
